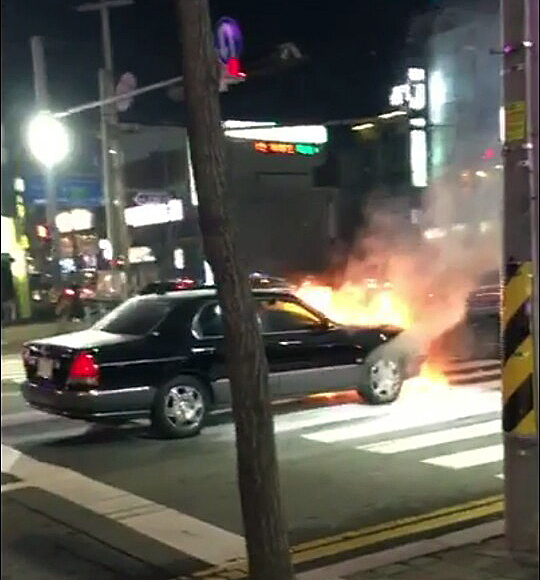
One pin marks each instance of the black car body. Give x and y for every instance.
(163, 352)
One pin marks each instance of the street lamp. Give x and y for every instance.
(49, 143)
(48, 139)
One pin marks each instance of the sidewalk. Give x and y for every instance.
(475, 553)
(487, 560)
(14, 336)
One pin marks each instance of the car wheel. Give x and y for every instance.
(180, 408)
(382, 382)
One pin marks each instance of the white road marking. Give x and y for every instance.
(470, 458)
(25, 417)
(306, 418)
(14, 485)
(500, 476)
(12, 369)
(168, 526)
(45, 435)
(433, 438)
(416, 410)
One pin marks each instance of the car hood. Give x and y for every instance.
(85, 339)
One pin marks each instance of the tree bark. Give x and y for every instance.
(258, 478)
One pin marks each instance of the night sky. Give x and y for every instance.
(354, 50)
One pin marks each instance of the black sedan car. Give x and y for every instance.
(162, 356)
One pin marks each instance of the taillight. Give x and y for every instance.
(83, 370)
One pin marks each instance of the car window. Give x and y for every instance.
(208, 322)
(284, 315)
(137, 316)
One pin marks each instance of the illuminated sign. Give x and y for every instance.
(286, 148)
(154, 213)
(74, 220)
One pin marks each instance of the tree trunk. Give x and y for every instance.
(264, 524)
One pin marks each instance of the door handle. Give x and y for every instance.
(289, 342)
(203, 349)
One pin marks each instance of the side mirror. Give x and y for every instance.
(322, 327)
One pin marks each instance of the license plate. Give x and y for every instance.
(45, 368)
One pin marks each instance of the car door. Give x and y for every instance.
(208, 352)
(305, 351)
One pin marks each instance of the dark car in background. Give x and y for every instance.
(162, 355)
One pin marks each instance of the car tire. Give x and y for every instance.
(382, 379)
(180, 408)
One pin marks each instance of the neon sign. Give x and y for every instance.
(285, 148)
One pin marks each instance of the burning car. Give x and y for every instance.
(162, 355)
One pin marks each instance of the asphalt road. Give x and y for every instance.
(132, 506)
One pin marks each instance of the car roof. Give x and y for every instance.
(197, 293)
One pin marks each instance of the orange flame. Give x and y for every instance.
(358, 305)
(430, 377)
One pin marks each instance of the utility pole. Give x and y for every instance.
(258, 473)
(111, 153)
(531, 72)
(519, 311)
(42, 102)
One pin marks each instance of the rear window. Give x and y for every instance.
(136, 316)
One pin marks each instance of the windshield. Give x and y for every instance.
(137, 316)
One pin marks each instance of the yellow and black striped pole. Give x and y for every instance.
(517, 349)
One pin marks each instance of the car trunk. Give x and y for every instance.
(47, 362)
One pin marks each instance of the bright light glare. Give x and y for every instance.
(19, 185)
(140, 255)
(47, 139)
(481, 173)
(485, 227)
(247, 124)
(502, 125)
(437, 96)
(191, 180)
(418, 122)
(154, 213)
(106, 247)
(363, 127)
(399, 95)
(74, 220)
(313, 134)
(434, 233)
(418, 147)
(416, 75)
(179, 261)
(208, 274)
(392, 114)
(418, 97)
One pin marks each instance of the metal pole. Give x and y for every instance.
(116, 227)
(531, 73)
(106, 38)
(519, 417)
(42, 100)
(109, 100)
(105, 162)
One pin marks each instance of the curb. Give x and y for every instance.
(472, 535)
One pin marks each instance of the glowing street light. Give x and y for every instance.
(48, 139)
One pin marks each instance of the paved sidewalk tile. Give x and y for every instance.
(488, 560)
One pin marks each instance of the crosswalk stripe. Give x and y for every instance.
(470, 458)
(404, 418)
(433, 438)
